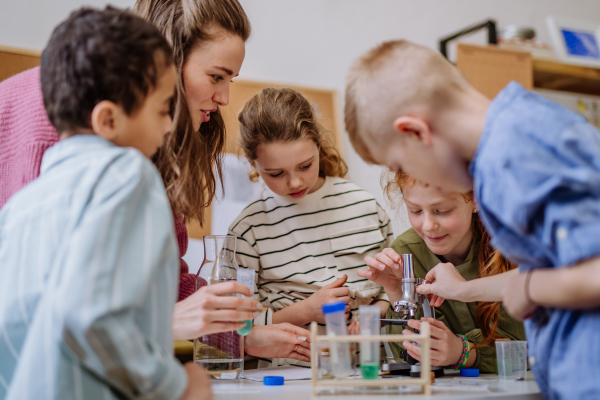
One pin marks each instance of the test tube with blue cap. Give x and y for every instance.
(246, 277)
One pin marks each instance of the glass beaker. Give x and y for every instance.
(221, 354)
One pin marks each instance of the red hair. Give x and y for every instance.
(490, 261)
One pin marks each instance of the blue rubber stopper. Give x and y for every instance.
(273, 380)
(334, 307)
(469, 372)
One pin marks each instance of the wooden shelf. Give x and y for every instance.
(553, 75)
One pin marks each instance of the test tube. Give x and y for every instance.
(335, 321)
(369, 351)
(246, 278)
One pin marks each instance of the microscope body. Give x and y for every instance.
(408, 306)
(409, 303)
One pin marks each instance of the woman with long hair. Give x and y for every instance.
(208, 40)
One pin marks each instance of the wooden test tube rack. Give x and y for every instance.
(424, 338)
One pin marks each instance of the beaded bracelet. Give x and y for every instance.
(465, 353)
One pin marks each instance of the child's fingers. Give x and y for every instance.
(373, 263)
(364, 273)
(435, 328)
(337, 283)
(413, 350)
(385, 261)
(391, 253)
(340, 292)
(345, 299)
(436, 300)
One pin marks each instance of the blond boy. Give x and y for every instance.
(535, 168)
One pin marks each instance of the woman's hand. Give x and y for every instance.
(514, 298)
(445, 283)
(209, 311)
(446, 348)
(279, 341)
(385, 270)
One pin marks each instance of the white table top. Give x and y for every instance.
(448, 387)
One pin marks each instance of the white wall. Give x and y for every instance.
(313, 42)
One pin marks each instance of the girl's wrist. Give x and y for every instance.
(464, 355)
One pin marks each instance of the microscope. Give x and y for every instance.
(408, 306)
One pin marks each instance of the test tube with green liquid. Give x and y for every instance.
(369, 351)
(246, 277)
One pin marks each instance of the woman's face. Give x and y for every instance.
(208, 71)
(441, 219)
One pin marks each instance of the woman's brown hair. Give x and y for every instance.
(490, 261)
(188, 159)
(284, 115)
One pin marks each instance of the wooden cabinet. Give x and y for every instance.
(490, 68)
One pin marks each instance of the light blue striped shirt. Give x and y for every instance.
(88, 279)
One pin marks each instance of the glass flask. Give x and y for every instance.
(221, 354)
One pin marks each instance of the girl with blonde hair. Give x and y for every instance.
(308, 229)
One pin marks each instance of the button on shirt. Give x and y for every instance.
(537, 182)
(89, 269)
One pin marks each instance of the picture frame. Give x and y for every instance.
(575, 41)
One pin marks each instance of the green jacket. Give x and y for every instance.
(459, 317)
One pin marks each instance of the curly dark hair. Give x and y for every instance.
(98, 55)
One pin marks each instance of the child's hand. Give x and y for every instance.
(198, 387)
(208, 311)
(445, 283)
(331, 293)
(385, 270)
(354, 328)
(514, 298)
(446, 348)
(279, 341)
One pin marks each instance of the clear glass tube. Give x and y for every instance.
(339, 351)
(246, 277)
(369, 351)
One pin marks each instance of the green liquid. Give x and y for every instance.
(244, 330)
(369, 371)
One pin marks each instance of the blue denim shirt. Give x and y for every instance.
(536, 176)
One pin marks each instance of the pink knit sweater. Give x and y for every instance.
(26, 133)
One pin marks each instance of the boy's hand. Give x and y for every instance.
(446, 348)
(514, 298)
(198, 387)
(445, 282)
(331, 293)
(279, 341)
(385, 270)
(208, 311)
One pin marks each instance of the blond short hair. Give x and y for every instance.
(393, 79)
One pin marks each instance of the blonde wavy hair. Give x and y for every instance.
(284, 115)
